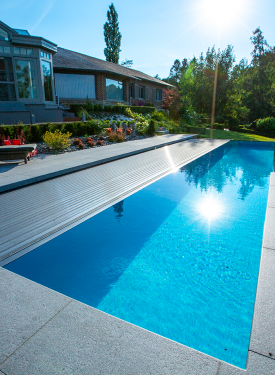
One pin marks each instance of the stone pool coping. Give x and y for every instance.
(45, 332)
(49, 166)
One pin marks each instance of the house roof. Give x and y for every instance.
(66, 59)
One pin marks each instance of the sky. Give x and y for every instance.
(154, 32)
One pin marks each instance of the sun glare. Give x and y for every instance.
(210, 208)
(222, 13)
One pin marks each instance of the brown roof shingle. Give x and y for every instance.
(66, 59)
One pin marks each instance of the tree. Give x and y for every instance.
(112, 36)
(127, 63)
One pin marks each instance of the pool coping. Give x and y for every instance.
(51, 342)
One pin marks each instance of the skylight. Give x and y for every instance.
(22, 32)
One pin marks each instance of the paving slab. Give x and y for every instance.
(271, 196)
(256, 365)
(83, 340)
(42, 168)
(269, 232)
(24, 309)
(263, 333)
(272, 179)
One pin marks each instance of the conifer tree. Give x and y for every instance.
(112, 36)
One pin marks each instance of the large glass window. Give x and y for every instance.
(26, 79)
(3, 35)
(47, 80)
(7, 86)
(114, 89)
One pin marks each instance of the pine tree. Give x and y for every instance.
(112, 36)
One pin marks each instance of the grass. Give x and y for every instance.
(236, 136)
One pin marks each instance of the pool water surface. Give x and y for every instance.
(179, 258)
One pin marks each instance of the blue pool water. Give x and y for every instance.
(179, 258)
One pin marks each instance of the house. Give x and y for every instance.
(38, 79)
(79, 76)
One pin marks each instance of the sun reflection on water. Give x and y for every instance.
(211, 208)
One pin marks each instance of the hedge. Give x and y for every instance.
(266, 125)
(34, 133)
(142, 109)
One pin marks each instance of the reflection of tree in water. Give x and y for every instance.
(118, 208)
(231, 167)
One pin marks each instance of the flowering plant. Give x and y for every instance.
(119, 131)
(81, 146)
(128, 131)
(76, 141)
(99, 142)
(90, 143)
(108, 130)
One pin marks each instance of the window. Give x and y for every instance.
(7, 50)
(42, 54)
(47, 80)
(45, 55)
(114, 89)
(131, 91)
(1, 49)
(3, 35)
(141, 90)
(7, 85)
(26, 79)
(22, 51)
(159, 95)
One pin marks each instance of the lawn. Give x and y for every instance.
(236, 136)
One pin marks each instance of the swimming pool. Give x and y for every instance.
(179, 258)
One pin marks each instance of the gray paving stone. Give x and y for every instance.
(83, 340)
(269, 230)
(25, 307)
(272, 178)
(271, 196)
(263, 333)
(256, 365)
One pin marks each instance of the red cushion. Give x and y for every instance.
(15, 142)
(6, 142)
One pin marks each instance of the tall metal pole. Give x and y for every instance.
(214, 98)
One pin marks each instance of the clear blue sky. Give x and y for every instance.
(154, 32)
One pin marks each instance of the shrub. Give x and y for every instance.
(128, 131)
(233, 124)
(118, 123)
(90, 143)
(142, 109)
(119, 131)
(81, 146)
(108, 130)
(149, 105)
(151, 128)
(76, 141)
(100, 143)
(57, 140)
(266, 125)
(88, 139)
(159, 116)
(194, 129)
(119, 137)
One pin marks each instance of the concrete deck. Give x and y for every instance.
(44, 332)
(43, 167)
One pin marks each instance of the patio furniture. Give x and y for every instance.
(15, 152)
